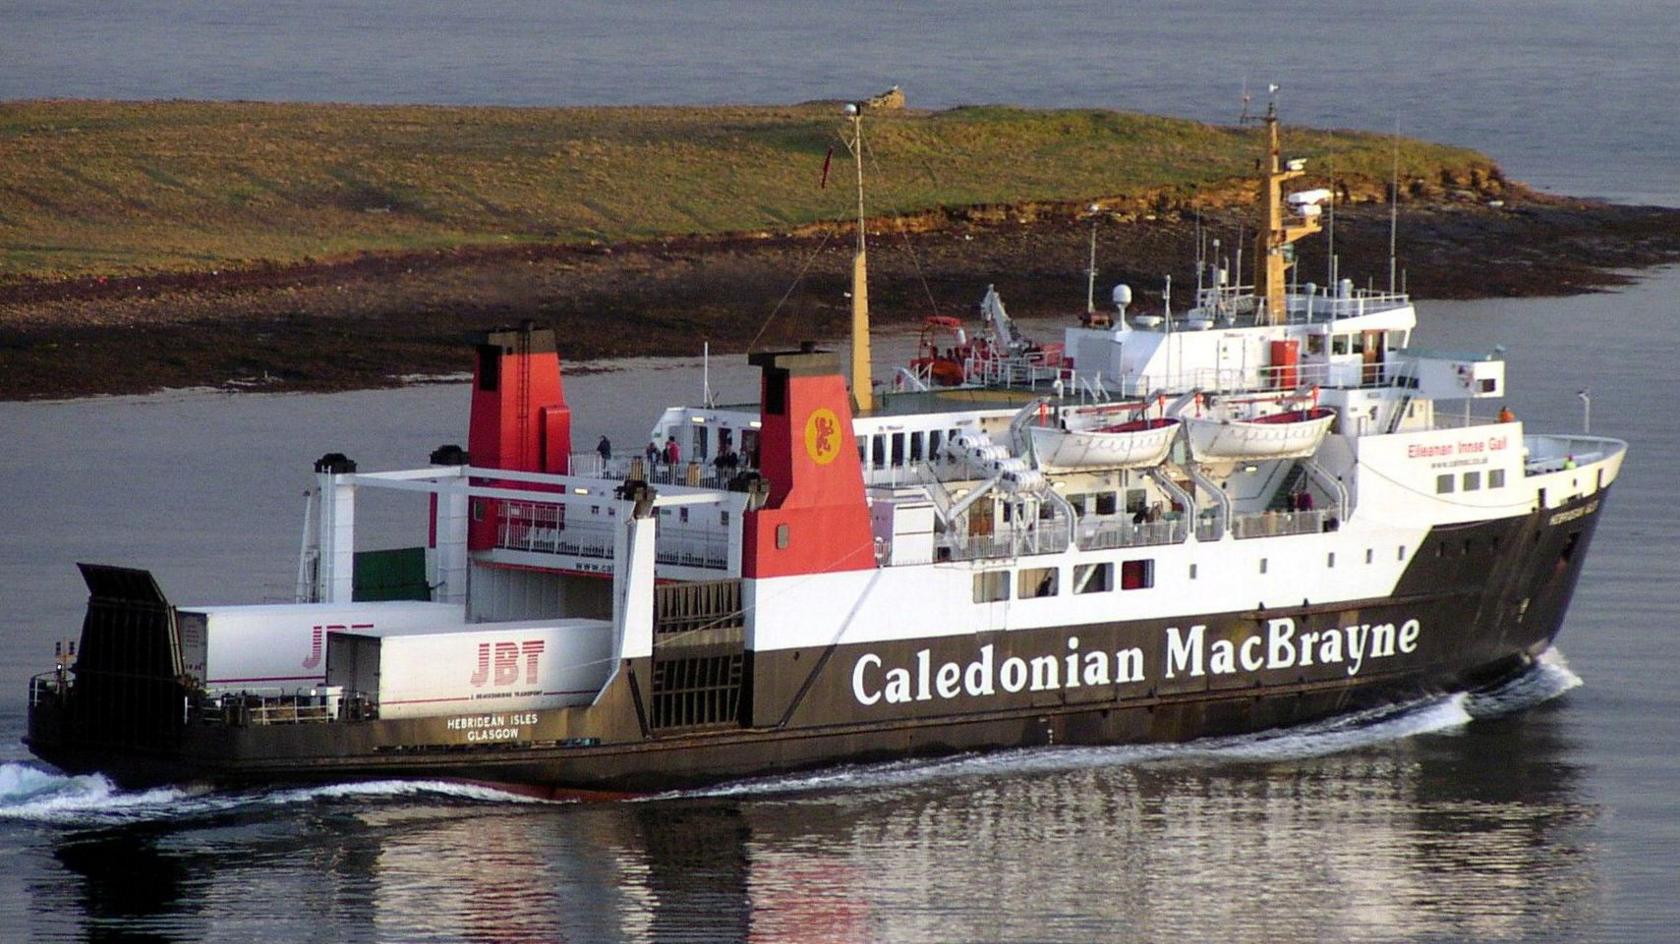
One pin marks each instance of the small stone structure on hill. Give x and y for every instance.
(891, 98)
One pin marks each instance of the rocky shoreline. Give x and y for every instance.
(374, 319)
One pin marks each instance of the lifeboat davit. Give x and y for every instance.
(1286, 435)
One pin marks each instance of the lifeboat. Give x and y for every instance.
(941, 365)
(1130, 445)
(1286, 435)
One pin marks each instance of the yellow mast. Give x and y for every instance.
(863, 389)
(1272, 269)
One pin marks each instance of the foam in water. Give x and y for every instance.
(31, 794)
(1547, 678)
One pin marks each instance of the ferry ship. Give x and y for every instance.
(1265, 510)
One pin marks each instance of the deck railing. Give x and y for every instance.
(543, 528)
(1271, 524)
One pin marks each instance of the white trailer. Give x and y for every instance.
(482, 669)
(283, 646)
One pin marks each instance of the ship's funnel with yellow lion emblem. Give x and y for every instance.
(816, 518)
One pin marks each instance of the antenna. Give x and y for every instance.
(1394, 205)
(1330, 250)
(1201, 253)
(1245, 118)
(1236, 278)
(1091, 270)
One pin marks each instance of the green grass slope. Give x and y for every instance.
(105, 188)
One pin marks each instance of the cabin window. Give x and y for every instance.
(1370, 555)
(877, 451)
(897, 448)
(1315, 344)
(1094, 578)
(682, 515)
(863, 454)
(1400, 553)
(1339, 344)
(1262, 565)
(1330, 559)
(723, 518)
(915, 447)
(1034, 582)
(933, 444)
(1489, 385)
(1078, 503)
(1472, 481)
(1444, 484)
(1137, 574)
(991, 586)
(1136, 501)
(781, 537)
(1192, 571)
(1496, 478)
(478, 509)
(702, 443)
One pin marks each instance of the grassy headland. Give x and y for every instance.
(314, 247)
(115, 188)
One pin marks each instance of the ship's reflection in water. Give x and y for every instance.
(1482, 833)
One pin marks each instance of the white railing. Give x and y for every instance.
(691, 473)
(1553, 453)
(691, 547)
(543, 529)
(1123, 532)
(1043, 539)
(540, 528)
(1305, 309)
(1271, 524)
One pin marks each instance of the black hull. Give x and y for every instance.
(1484, 598)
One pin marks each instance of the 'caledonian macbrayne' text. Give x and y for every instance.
(1186, 654)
